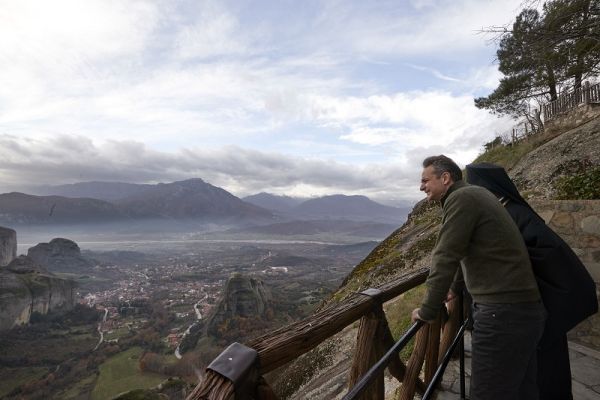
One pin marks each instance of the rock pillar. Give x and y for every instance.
(8, 246)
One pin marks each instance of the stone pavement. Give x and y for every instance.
(585, 371)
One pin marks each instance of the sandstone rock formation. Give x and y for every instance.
(8, 245)
(537, 173)
(26, 287)
(59, 255)
(245, 298)
(25, 265)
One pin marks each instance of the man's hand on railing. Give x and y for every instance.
(415, 315)
(450, 296)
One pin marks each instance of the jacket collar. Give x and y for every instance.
(455, 186)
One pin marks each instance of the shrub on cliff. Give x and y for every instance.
(582, 186)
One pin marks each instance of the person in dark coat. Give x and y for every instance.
(567, 289)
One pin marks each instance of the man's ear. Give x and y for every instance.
(446, 178)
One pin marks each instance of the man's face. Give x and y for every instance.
(434, 187)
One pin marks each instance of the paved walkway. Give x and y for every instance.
(585, 370)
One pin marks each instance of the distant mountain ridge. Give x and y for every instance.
(349, 207)
(185, 200)
(192, 198)
(188, 200)
(273, 202)
(21, 208)
(108, 191)
(338, 206)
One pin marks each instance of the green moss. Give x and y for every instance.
(508, 156)
(38, 285)
(426, 213)
(421, 248)
(584, 185)
(389, 259)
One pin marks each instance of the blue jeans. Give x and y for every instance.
(504, 342)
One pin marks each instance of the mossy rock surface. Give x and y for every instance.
(407, 248)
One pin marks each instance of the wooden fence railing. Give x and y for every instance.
(373, 340)
(586, 94)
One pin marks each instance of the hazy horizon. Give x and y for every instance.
(298, 98)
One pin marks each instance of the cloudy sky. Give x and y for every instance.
(284, 96)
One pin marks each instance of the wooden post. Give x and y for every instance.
(433, 347)
(415, 362)
(366, 355)
(450, 328)
(396, 367)
(586, 92)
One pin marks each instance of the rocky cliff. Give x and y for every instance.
(244, 298)
(26, 287)
(60, 255)
(536, 173)
(8, 245)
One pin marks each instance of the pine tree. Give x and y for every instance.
(544, 54)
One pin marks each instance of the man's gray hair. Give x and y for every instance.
(443, 164)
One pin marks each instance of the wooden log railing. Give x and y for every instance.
(424, 348)
(373, 340)
(586, 94)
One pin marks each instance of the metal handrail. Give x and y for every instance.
(458, 339)
(376, 369)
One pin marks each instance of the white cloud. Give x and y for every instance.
(411, 119)
(214, 32)
(68, 159)
(154, 83)
(66, 35)
(432, 27)
(484, 78)
(434, 72)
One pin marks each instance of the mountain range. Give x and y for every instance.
(188, 200)
(333, 207)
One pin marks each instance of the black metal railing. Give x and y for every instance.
(378, 368)
(375, 371)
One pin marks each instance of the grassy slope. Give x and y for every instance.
(121, 373)
(509, 156)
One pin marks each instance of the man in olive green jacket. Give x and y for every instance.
(479, 241)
